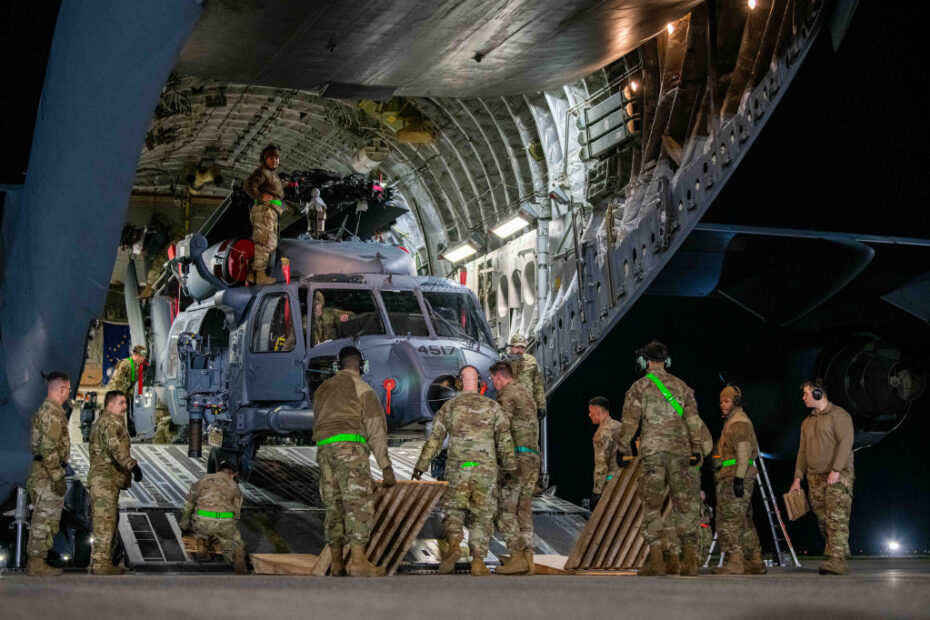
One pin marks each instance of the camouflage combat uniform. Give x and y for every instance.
(163, 432)
(350, 424)
(704, 534)
(51, 448)
(326, 326)
(736, 530)
(606, 446)
(826, 445)
(515, 509)
(526, 373)
(110, 470)
(212, 508)
(667, 441)
(479, 438)
(264, 215)
(125, 378)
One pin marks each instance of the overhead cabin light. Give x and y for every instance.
(461, 251)
(510, 225)
(670, 27)
(634, 85)
(752, 4)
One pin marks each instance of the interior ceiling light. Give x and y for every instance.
(633, 85)
(510, 225)
(461, 251)
(752, 4)
(670, 27)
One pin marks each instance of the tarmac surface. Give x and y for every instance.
(889, 588)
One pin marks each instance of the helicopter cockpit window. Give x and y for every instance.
(344, 313)
(273, 331)
(404, 313)
(455, 315)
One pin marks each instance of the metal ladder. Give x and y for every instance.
(783, 541)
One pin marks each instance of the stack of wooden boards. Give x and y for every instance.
(400, 512)
(611, 540)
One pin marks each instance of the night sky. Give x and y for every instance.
(844, 151)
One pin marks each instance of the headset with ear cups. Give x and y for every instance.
(458, 378)
(364, 368)
(738, 397)
(641, 362)
(817, 389)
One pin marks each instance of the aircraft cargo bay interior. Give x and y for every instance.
(294, 292)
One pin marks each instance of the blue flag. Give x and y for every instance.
(116, 346)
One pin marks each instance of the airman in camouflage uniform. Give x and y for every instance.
(515, 504)
(670, 444)
(350, 424)
(212, 508)
(125, 376)
(326, 320)
(266, 189)
(479, 439)
(110, 469)
(738, 452)
(672, 544)
(51, 449)
(526, 372)
(825, 456)
(163, 430)
(606, 446)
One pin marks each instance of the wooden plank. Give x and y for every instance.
(631, 473)
(550, 564)
(284, 563)
(624, 525)
(400, 512)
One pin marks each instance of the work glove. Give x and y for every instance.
(595, 498)
(694, 459)
(137, 473)
(387, 475)
(540, 414)
(738, 489)
(417, 474)
(58, 486)
(620, 459)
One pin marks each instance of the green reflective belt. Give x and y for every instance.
(668, 395)
(610, 477)
(469, 464)
(731, 462)
(276, 203)
(525, 449)
(216, 515)
(341, 437)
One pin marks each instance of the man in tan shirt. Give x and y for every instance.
(349, 425)
(826, 457)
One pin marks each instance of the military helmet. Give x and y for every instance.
(519, 340)
(269, 150)
(140, 350)
(319, 299)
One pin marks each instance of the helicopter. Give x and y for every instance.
(241, 363)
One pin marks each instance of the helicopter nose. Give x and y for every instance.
(442, 389)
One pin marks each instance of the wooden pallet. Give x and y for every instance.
(283, 563)
(611, 540)
(400, 512)
(191, 546)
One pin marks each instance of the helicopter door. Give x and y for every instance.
(274, 357)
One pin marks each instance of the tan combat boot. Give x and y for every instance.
(106, 568)
(530, 562)
(672, 564)
(732, 564)
(336, 566)
(513, 565)
(689, 561)
(36, 566)
(754, 565)
(359, 566)
(239, 561)
(260, 278)
(451, 555)
(833, 566)
(478, 568)
(654, 566)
